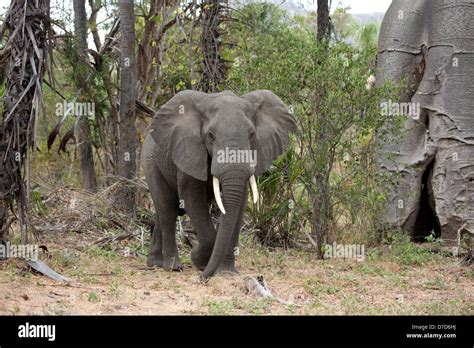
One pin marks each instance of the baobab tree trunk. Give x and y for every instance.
(86, 158)
(324, 23)
(128, 135)
(27, 23)
(429, 44)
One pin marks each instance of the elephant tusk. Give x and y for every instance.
(253, 185)
(217, 194)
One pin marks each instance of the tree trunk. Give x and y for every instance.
(212, 64)
(321, 213)
(128, 135)
(324, 23)
(86, 158)
(110, 124)
(429, 43)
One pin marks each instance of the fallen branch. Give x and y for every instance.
(44, 269)
(47, 227)
(111, 239)
(311, 240)
(139, 183)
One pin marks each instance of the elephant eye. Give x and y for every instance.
(210, 136)
(252, 135)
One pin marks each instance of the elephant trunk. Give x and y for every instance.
(232, 194)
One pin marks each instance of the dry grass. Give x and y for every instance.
(404, 279)
(105, 282)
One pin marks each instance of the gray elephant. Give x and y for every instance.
(199, 143)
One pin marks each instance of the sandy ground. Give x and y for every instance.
(107, 282)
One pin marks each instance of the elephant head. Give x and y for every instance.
(231, 137)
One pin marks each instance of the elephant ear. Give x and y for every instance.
(176, 129)
(273, 123)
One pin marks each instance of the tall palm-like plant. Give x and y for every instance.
(28, 25)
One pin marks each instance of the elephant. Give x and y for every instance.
(198, 144)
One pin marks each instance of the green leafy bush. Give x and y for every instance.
(405, 252)
(326, 184)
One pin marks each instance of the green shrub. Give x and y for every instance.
(326, 184)
(405, 252)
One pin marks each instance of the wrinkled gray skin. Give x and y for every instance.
(180, 160)
(430, 43)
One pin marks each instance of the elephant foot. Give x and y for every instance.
(203, 279)
(227, 270)
(154, 260)
(223, 270)
(172, 263)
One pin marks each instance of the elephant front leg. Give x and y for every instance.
(206, 235)
(194, 197)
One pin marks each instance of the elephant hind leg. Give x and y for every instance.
(167, 208)
(155, 255)
(171, 261)
(163, 249)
